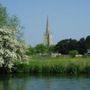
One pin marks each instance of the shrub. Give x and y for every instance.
(73, 53)
(10, 48)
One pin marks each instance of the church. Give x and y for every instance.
(48, 39)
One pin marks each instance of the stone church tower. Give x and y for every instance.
(48, 41)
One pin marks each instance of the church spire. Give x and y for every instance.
(48, 35)
(47, 26)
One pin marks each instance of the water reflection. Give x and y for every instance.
(44, 83)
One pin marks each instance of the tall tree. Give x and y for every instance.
(3, 16)
(11, 48)
(40, 48)
(88, 42)
(64, 46)
(10, 21)
(82, 46)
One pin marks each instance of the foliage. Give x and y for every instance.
(3, 16)
(10, 21)
(66, 45)
(40, 48)
(73, 53)
(87, 42)
(82, 46)
(30, 51)
(10, 48)
(60, 65)
(14, 24)
(51, 49)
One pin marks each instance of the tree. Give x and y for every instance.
(62, 47)
(51, 49)
(3, 16)
(10, 49)
(10, 21)
(73, 53)
(14, 24)
(82, 46)
(66, 45)
(72, 45)
(87, 41)
(30, 51)
(40, 48)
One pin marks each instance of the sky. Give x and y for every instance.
(67, 18)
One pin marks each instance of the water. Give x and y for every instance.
(29, 82)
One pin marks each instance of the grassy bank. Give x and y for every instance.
(55, 65)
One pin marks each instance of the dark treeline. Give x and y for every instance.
(66, 45)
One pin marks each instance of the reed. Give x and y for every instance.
(55, 65)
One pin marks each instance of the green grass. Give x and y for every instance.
(55, 65)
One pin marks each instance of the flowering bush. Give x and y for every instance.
(10, 48)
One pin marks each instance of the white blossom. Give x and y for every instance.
(1, 61)
(10, 48)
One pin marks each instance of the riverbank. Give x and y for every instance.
(54, 65)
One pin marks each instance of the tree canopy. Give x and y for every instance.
(10, 21)
(11, 48)
(66, 45)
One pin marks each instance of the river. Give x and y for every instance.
(41, 82)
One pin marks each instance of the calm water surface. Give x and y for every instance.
(29, 82)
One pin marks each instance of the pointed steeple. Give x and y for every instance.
(47, 26)
(48, 35)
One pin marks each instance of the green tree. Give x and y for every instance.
(10, 21)
(82, 46)
(30, 51)
(51, 49)
(11, 48)
(73, 53)
(66, 45)
(88, 42)
(40, 48)
(3, 16)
